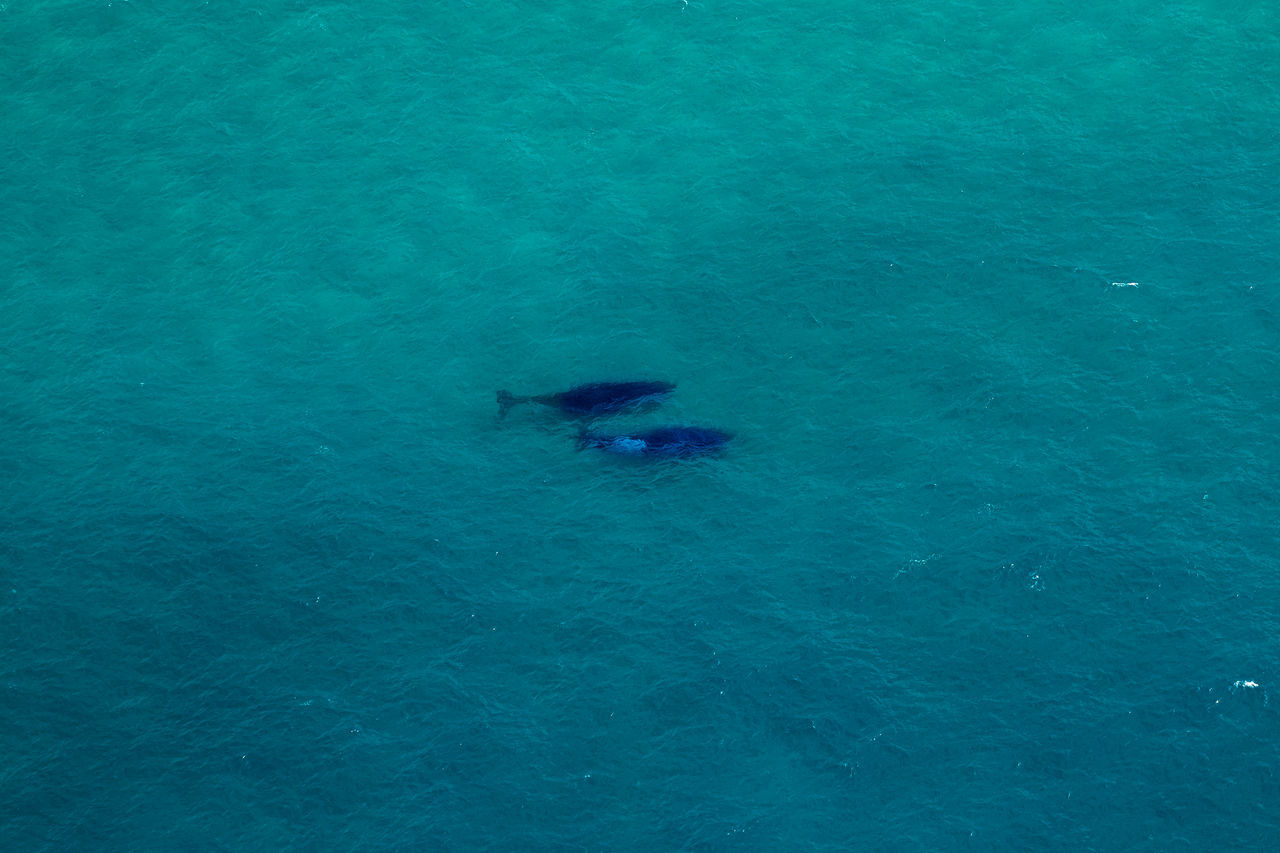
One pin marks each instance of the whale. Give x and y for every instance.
(596, 398)
(670, 441)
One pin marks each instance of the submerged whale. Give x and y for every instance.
(597, 398)
(663, 441)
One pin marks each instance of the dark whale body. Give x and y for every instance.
(663, 441)
(597, 398)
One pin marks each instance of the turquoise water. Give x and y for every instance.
(988, 297)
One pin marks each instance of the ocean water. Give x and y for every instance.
(988, 297)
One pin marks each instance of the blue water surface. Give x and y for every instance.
(987, 297)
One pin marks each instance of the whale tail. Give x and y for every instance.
(506, 400)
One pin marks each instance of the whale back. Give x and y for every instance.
(596, 398)
(663, 441)
(600, 398)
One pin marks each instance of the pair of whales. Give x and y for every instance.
(605, 398)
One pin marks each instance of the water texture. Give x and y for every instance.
(987, 296)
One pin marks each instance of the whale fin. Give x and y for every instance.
(505, 401)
